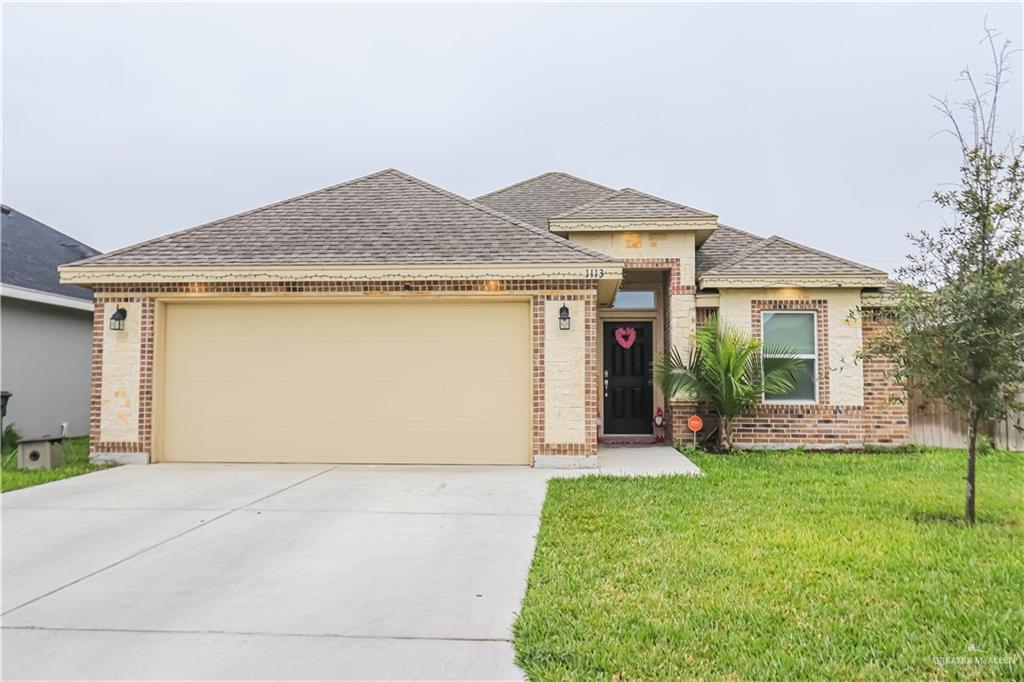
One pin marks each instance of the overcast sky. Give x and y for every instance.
(123, 122)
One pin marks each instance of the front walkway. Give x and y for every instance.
(644, 460)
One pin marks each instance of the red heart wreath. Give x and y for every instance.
(625, 337)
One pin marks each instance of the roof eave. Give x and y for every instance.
(700, 225)
(96, 275)
(879, 299)
(44, 297)
(783, 280)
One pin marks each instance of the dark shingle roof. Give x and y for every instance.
(723, 244)
(536, 200)
(629, 203)
(778, 256)
(32, 251)
(384, 218)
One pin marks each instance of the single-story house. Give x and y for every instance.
(46, 336)
(386, 320)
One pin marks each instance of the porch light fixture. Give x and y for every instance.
(563, 317)
(117, 319)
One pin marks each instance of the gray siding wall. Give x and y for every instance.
(45, 361)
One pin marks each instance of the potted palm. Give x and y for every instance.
(726, 372)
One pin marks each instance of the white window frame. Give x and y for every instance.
(801, 356)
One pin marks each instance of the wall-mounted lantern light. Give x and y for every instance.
(563, 317)
(117, 319)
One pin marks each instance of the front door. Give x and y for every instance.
(628, 394)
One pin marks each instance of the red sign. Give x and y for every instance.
(695, 423)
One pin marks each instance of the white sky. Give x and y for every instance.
(122, 122)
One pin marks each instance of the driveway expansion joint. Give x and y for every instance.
(255, 633)
(386, 512)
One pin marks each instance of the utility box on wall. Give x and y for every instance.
(40, 453)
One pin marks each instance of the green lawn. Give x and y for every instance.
(76, 462)
(815, 566)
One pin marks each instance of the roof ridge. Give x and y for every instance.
(736, 229)
(497, 214)
(542, 175)
(592, 202)
(753, 248)
(666, 201)
(281, 202)
(628, 190)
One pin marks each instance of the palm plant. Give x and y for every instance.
(726, 372)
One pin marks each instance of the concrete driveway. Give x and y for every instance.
(179, 571)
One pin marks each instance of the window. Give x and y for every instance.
(634, 300)
(797, 332)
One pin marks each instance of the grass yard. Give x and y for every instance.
(76, 462)
(816, 566)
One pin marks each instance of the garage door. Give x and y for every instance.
(384, 382)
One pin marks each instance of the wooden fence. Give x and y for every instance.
(933, 423)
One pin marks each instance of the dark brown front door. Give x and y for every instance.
(628, 394)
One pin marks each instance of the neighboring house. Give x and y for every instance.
(387, 320)
(46, 343)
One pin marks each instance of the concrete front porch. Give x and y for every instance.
(644, 460)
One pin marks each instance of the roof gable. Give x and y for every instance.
(537, 199)
(629, 203)
(32, 251)
(388, 217)
(778, 256)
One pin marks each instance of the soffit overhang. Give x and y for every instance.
(707, 300)
(783, 280)
(607, 275)
(702, 227)
(878, 299)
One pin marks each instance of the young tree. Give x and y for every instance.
(958, 322)
(726, 372)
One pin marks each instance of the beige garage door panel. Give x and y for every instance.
(403, 382)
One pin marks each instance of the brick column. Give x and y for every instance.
(565, 381)
(122, 381)
(886, 410)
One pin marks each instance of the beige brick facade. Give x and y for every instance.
(886, 416)
(559, 397)
(564, 403)
(565, 374)
(858, 403)
(681, 322)
(121, 364)
(120, 418)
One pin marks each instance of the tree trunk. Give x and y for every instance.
(972, 446)
(724, 434)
